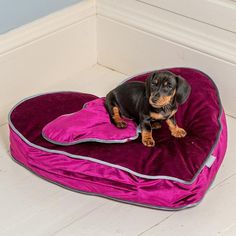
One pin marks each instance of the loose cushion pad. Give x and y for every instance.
(91, 123)
(174, 174)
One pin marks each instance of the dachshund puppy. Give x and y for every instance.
(149, 103)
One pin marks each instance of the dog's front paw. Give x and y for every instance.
(121, 124)
(148, 142)
(178, 132)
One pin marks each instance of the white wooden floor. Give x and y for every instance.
(32, 206)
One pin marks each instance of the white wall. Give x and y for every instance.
(134, 36)
(15, 13)
(218, 13)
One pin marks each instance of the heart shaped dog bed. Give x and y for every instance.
(175, 174)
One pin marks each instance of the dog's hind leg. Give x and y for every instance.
(114, 112)
(120, 123)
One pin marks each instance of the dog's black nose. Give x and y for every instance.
(155, 97)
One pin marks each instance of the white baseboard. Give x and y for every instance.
(134, 37)
(45, 52)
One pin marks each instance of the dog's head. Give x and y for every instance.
(163, 87)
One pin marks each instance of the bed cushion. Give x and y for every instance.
(90, 124)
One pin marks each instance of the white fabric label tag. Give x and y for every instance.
(210, 161)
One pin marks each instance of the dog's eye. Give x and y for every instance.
(167, 85)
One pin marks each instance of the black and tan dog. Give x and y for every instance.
(149, 103)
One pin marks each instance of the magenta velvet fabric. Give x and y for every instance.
(91, 123)
(171, 175)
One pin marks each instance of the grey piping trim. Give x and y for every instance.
(104, 196)
(91, 140)
(118, 166)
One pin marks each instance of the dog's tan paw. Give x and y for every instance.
(121, 124)
(148, 142)
(178, 132)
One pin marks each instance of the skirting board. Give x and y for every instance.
(46, 52)
(130, 45)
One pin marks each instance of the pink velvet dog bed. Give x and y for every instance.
(175, 174)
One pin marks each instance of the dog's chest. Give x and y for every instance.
(162, 114)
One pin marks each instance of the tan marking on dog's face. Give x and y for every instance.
(162, 101)
(156, 116)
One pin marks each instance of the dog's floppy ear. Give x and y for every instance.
(148, 84)
(183, 90)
